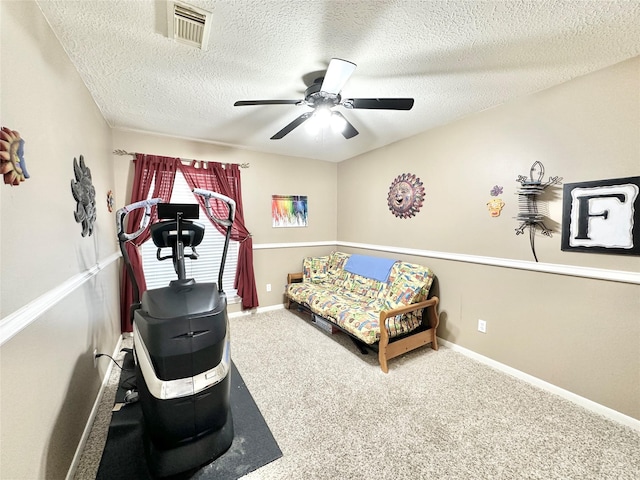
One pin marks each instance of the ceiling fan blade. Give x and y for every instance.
(337, 75)
(296, 123)
(379, 103)
(349, 131)
(242, 103)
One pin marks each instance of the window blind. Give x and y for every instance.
(206, 267)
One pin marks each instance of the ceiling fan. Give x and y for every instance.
(324, 94)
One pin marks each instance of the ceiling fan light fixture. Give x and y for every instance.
(338, 122)
(312, 125)
(323, 115)
(320, 118)
(323, 95)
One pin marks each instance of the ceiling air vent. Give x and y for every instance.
(188, 24)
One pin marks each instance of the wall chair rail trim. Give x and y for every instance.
(13, 323)
(620, 276)
(267, 246)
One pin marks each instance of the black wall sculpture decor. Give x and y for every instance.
(85, 194)
(528, 215)
(406, 195)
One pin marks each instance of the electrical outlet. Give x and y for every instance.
(268, 287)
(482, 326)
(95, 358)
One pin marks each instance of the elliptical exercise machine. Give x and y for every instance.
(181, 344)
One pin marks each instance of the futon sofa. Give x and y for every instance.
(359, 293)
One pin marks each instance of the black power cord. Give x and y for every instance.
(126, 350)
(98, 355)
(128, 383)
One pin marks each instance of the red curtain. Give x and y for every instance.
(225, 179)
(147, 167)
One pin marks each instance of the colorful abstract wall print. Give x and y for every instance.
(406, 195)
(85, 194)
(289, 210)
(602, 216)
(12, 164)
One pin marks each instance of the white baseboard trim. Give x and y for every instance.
(21, 318)
(567, 395)
(255, 311)
(92, 416)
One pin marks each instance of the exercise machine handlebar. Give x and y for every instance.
(226, 223)
(124, 237)
(144, 221)
(208, 195)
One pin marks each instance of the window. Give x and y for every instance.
(206, 267)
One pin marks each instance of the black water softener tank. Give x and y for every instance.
(181, 336)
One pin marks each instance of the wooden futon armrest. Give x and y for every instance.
(294, 277)
(388, 350)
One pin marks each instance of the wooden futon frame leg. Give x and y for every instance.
(387, 350)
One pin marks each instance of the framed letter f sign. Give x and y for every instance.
(602, 216)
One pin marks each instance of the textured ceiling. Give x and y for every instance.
(454, 57)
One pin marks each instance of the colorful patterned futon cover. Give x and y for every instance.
(354, 302)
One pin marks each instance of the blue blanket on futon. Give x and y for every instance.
(370, 267)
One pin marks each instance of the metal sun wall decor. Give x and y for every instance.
(12, 164)
(528, 215)
(406, 195)
(85, 194)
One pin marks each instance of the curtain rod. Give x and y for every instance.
(124, 152)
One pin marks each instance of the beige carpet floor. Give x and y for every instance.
(436, 415)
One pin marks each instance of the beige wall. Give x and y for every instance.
(586, 129)
(580, 334)
(48, 383)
